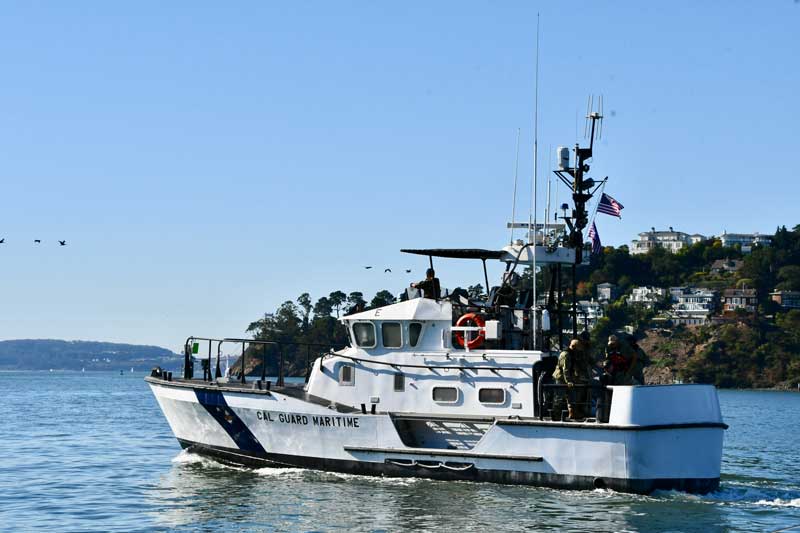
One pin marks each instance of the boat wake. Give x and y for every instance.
(186, 457)
(740, 494)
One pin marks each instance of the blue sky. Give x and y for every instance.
(207, 161)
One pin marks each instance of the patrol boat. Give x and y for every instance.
(455, 389)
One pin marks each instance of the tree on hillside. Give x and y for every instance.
(475, 291)
(789, 277)
(337, 298)
(323, 308)
(382, 298)
(356, 301)
(304, 301)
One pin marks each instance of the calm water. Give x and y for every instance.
(91, 452)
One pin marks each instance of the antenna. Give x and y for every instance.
(589, 106)
(535, 176)
(514, 201)
(600, 124)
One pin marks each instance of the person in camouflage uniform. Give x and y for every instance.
(574, 368)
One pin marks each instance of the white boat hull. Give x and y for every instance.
(279, 428)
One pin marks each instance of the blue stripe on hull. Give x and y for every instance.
(214, 402)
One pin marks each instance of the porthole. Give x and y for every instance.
(445, 394)
(347, 375)
(492, 396)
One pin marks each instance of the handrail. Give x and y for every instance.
(245, 342)
(603, 400)
(432, 367)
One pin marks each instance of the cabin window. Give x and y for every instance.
(347, 375)
(414, 332)
(492, 396)
(399, 382)
(364, 332)
(392, 335)
(445, 394)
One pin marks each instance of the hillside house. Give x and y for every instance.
(646, 297)
(669, 240)
(607, 292)
(786, 299)
(734, 300)
(726, 266)
(745, 240)
(692, 306)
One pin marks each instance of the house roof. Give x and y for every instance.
(733, 293)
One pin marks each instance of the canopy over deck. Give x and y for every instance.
(508, 254)
(457, 253)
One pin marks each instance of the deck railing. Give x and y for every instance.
(189, 350)
(594, 391)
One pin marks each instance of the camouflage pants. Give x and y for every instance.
(577, 400)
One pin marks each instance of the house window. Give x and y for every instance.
(347, 375)
(492, 396)
(399, 382)
(445, 394)
(392, 334)
(414, 333)
(364, 332)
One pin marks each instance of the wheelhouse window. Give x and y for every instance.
(414, 333)
(399, 382)
(347, 375)
(392, 334)
(445, 394)
(364, 332)
(492, 396)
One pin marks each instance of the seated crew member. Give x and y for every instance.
(429, 286)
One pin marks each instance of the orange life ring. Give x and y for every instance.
(471, 319)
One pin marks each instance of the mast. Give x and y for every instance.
(534, 325)
(514, 200)
(583, 189)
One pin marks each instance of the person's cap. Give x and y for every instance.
(430, 272)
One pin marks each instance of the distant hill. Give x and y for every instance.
(44, 354)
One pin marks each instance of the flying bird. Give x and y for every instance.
(62, 243)
(37, 241)
(367, 268)
(387, 270)
(2, 240)
(408, 271)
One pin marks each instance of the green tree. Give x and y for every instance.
(323, 308)
(381, 299)
(475, 292)
(304, 301)
(790, 278)
(356, 301)
(337, 299)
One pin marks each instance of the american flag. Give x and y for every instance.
(594, 238)
(609, 206)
